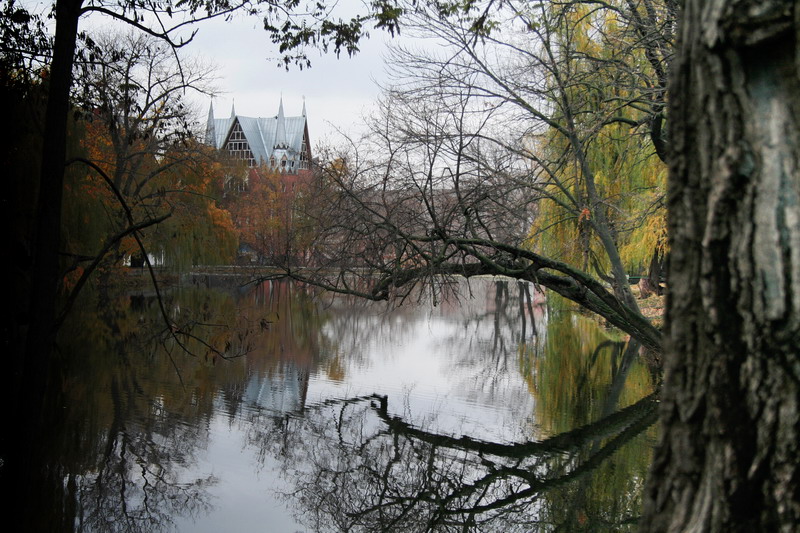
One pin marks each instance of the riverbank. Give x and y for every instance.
(652, 307)
(139, 278)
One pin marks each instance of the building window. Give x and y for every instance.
(237, 146)
(304, 155)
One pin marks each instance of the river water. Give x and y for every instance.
(288, 410)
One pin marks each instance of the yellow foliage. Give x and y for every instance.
(629, 178)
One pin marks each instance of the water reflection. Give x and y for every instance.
(366, 470)
(492, 412)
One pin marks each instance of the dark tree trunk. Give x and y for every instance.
(728, 460)
(47, 234)
(652, 283)
(32, 383)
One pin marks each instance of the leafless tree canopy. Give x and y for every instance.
(471, 139)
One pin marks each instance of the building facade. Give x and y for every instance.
(278, 143)
(265, 182)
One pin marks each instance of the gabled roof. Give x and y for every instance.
(264, 135)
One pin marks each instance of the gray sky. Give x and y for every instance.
(337, 92)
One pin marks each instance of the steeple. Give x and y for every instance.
(233, 108)
(280, 132)
(304, 106)
(211, 134)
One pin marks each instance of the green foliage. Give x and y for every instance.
(196, 232)
(606, 108)
(24, 45)
(140, 164)
(319, 26)
(199, 232)
(571, 373)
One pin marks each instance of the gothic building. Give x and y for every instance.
(279, 143)
(261, 194)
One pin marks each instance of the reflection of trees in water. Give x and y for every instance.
(141, 480)
(581, 374)
(132, 423)
(579, 370)
(139, 407)
(353, 328)
(482, 323)
(506, 317)
(355, 467)
(595, 502)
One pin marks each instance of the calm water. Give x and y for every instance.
(495, 411)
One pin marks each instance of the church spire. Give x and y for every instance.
(211, 134)
(304, 106)
(280, 132)
(233, 108)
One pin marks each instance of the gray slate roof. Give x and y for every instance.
(264, 135)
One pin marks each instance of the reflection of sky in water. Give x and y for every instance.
(243, 497)
(431, 376)
(337, 399)
(452, 369)
(442, 368)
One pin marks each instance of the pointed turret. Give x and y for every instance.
(280, 131)
(211, 134)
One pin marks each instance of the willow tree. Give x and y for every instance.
(142, 168)
(607, 88)
(728, 459)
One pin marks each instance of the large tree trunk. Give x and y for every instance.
(728, 460)
(32, 388)
(47, 234)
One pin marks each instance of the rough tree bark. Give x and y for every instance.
(728, 460)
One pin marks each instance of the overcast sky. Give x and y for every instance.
(337, 92)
